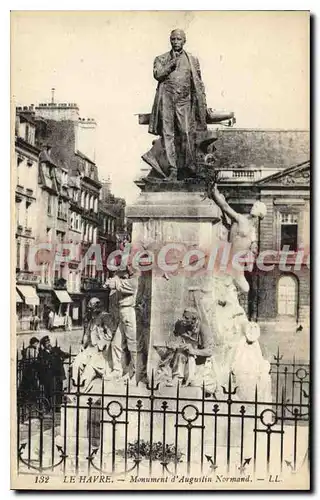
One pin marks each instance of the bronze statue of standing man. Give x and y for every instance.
(179, 107)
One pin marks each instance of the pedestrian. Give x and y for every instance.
(52, 373)
(28, 389)
(31, 352)
(50, 319)
(36, 321)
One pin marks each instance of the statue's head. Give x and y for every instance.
(252, 331)
(258, 210)
(94, 306)
(190, 317)
(177, 39)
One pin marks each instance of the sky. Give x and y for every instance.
(253, 63)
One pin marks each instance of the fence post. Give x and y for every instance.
(126, 428)
(202, 424)
(176, 429)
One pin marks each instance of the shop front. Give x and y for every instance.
(27, 307)
(60, 316)
(77, 308)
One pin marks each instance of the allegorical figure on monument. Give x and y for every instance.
(242, 236)
(179, 107)
(95, 357)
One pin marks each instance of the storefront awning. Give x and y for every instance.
(63, 296)
(18, 298)
(29, 294)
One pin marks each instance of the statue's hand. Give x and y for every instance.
(215, 189)
(110, 283)
(189, 349)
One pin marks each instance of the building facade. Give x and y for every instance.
(59, 207)
(274, 167)
(26, 192)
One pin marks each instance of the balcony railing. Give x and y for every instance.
(25, 277)
(91, 284)
(62, 216)
(60, 284)
(25, 231)
(245, 174)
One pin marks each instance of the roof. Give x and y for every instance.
(26, 117)
(84, 157)
(297, 174)
(47, 158)
(74, 181)
(257, 148)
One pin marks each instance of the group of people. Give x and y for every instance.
(42, 373)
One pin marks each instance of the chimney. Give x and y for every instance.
(106, 189)
(86, 137)
(57, 111)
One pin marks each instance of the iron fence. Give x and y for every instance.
(290, 379)
(116, 431)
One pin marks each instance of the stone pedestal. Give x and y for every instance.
(179, 217)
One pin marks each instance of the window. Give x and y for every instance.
(27, 215)
(78, 222)
(26, 256)
(17, 213)
(50, 205)
(86, 169)
(90, 233)
(58, 272)
(32, 135)
(47, 175)
(82, 202)
(72, 221)
(289, 231)
(49, 234)
(62, 210)
(96, 205)
(18, 254)
(27, 133)
(85, 232)
(287, 296)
